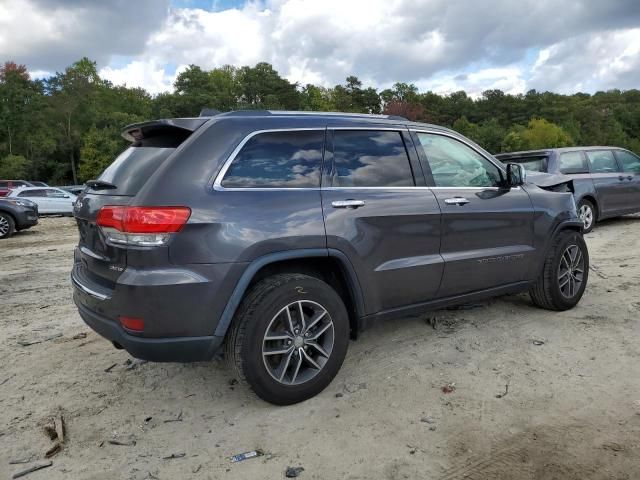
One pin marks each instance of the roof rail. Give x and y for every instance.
(264, 113)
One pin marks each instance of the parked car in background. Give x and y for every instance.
(75, 189)
(16, 214)
(7, 185)
(606, 180)
(279, 235)
(50, 200)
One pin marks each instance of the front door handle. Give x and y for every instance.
(347, 203)
(456, 201)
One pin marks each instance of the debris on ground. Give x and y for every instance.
(246, 456)
(7, 379)
(177, 418)
(55, 430)
(429, 420)
(339, 395)
(196, 469)
(597, 271)
(293, 472)
(79, 336)
(174, 455)
(55, 449)
(538, 342)
(432, 321)
(28, 343)
(33, 468)
(133, 364)
(354, 387)
(108, 369)
(449, 388)
(122, 443)
(506, 390)
(614, 447)
(21, 461)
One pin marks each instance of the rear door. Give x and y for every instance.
(487, 229)
(608, 181)
(59, 201)
(630, 164)
(379, 212)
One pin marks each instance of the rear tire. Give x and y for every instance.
(588, 214)
(7, 225)
(565, 273)
(299, 316)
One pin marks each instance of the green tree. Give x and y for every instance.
(14, 167)
(539, 133)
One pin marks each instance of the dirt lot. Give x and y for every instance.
(572, 410)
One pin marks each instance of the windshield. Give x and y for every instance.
(532, 164)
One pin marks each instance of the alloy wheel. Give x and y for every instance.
(298, 342)
(4, 226)
(571, 271)
(586, 215)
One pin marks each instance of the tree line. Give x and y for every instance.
(66, 128)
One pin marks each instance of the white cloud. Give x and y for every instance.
(599, 61)
(146, 74)
(321, 42)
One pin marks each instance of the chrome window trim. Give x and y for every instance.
(217, 183)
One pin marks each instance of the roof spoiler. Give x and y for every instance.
(139, 131)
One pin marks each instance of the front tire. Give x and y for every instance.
(289, 338)
(588, 215)
(565, 273)
(7, 225)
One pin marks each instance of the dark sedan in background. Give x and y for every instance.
(16, 214)
(606, 180)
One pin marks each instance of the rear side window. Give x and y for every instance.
(602, 161)
(4, 184)
(287, 159)
(364, 158)
(630, 162)
(51, 193)
(573, 162)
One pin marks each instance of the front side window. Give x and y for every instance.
(573, 162)
(287, 159)
(602, 161)
(370, 158)
(33, 193)
(630, 162)
(454, 164)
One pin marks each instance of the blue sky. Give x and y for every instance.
(442, 45)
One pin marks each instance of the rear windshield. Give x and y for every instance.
(131, 169)
(533, 164)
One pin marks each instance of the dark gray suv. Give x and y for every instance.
(277, 236)
(606, 180)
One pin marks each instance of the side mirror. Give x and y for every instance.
(516, 174)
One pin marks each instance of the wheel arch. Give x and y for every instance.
(594, 201)
(331, 266)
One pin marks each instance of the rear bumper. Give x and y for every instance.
(180, 308)
(176, 349)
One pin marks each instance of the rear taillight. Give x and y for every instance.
(141, 226)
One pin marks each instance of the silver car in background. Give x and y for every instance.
(50, 200)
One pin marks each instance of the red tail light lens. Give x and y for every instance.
(132, 323)
(144, 219)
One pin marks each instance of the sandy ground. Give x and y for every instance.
(572, 410)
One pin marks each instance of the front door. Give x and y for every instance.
(487, 229)
(379, 212)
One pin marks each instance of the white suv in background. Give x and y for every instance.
(49, 199)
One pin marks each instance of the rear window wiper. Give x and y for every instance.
(100, 185)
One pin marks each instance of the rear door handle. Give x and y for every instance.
(456, 201)
(629, 177)
(347, 203)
